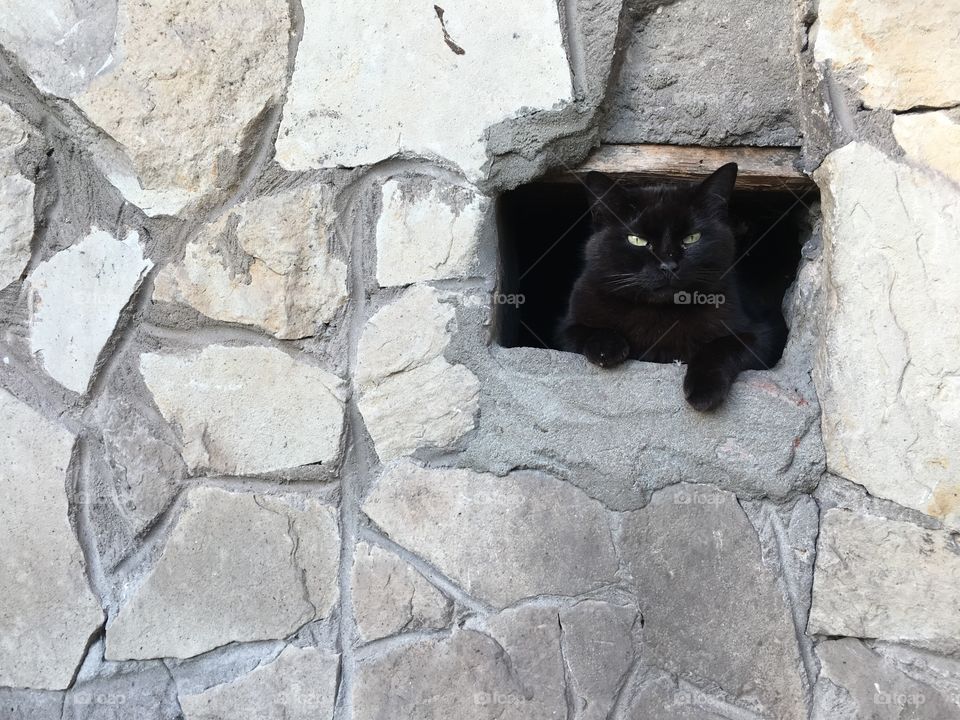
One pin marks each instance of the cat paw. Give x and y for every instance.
(606, 349)
(705, 388)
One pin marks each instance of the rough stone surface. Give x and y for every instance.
(879, 578)
(888, 377)
(427, 231)
(390, 597)
(701, 72)
(246, 410)
(931, 138)
(409, 395)
(265, 263)
(48, 611)
(299, 685)
(16, 198)
(500, 539)
(900, 56)
(185, 82)
(76, 300)
(144, 692)
(875, 688)
(237, 567)
(435, 81)
(713, 613)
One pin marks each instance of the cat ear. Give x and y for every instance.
(604, 195)
(719, 186)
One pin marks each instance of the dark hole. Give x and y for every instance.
(544, 226)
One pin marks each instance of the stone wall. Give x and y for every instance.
(261, 456)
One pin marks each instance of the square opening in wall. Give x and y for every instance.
(544, 227)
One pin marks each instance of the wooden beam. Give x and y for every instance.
(761, 168)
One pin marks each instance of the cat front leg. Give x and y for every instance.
(714, 367)
(601, 346)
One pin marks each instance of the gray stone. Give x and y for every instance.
(143, 690)
(500, 539)
(428, 230)
(620, 434)
(663, 697)
(20, 704)
(438, 80)
(886, 366)
(875, 688)
(265, 263)
(390, 597)
(700, 72)
(49, 612)
(713, 613)
(248, 410)
(299, 685)
(237, 567)
(184, 85)
(888, 579)
(409, 395)
(76, 300)
(16, 197)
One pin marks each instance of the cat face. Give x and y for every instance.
(649, 243)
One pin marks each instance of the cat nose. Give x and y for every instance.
(669, 266)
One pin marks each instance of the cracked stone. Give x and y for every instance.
(236, 568)
(888, 579)
(500, 539)
(76, 298)
(738, 635)
(427, 230)
(932, 138)
(900, 55)
(886, 371)
(265, 263)
(144, 691)
(48, 612)
(390, 597)
(417, 93)
(247, 410)
(409, 395)
(184, 86)
(300, 684)
(664, 697)
(16, 197)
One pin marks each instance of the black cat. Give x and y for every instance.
(660, 283)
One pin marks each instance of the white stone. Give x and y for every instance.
(248, 410)
(365, 89)
(185, 83)
(500, 539)
(887, 369)
(299, 685)
(274, 270)
(887, 579)
(904, 52)
(60, 44)
(48, 612)
(237, 567)
(427, 230)
(390, 597)
(931, 138)
(409, 395)
(76, 300)
(16, 198)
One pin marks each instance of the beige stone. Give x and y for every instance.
(500, 539)
(904, 52)
(48, 612)
(237, 567)
(299, 685)
(16, 199)
(409, 395)
(247, 410)
(887, 579)
(887, 369)
(265, 263)
(931, 138)
(76, 298)
(186, 81)
(365, 90)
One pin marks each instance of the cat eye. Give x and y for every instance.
(636, 240)
(691, 239)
